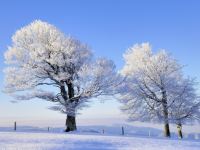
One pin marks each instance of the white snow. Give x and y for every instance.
(80, 141)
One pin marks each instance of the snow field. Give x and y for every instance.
(77, 141)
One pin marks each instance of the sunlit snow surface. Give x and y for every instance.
(78, 141)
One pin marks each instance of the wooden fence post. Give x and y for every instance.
(122, 130)
(15, 125)
(149, 133)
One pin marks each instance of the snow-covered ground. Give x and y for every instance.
(89, 141)
(33, 135)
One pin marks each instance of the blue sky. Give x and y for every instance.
(109, 27)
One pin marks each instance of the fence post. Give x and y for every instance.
(103, 131)
(15, 125)
(149, 133)
(122, 130)
(48, 129)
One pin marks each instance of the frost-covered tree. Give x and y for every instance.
(186, 107)
(154, 84)
(44, 63)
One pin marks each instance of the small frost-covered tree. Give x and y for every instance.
(185, 108)
(42, 57)
(154, 83)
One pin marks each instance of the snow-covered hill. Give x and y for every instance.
(81, 141)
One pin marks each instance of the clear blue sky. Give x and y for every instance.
(109, 27)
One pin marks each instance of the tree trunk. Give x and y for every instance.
(70, 123)
(166, 126)
(179, 127)
(166, 130)
(70, 89)
(165, 113)
(71, 117)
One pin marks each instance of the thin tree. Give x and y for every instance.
(186, 107)
(152, 85)
(44, 63)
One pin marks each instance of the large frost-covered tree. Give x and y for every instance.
(154, 86)
(41, 57)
